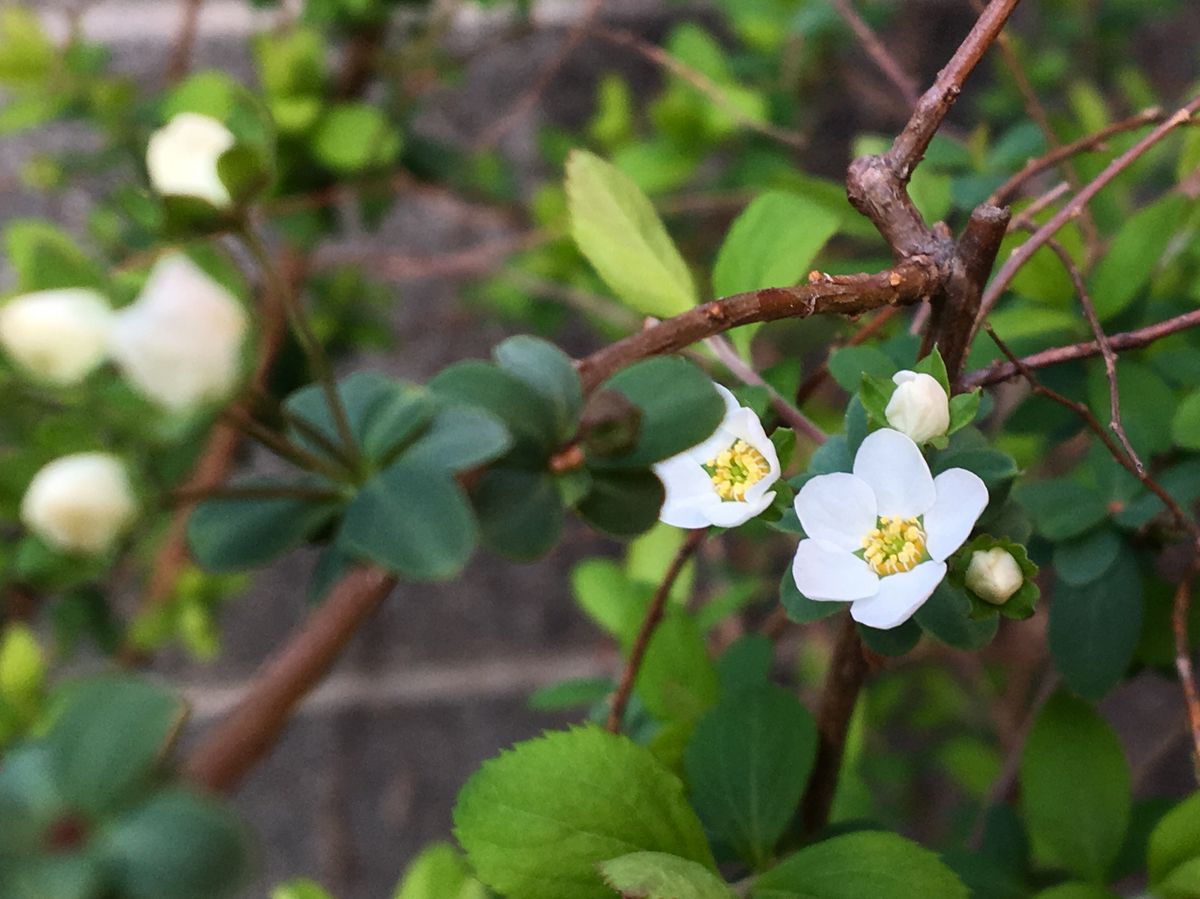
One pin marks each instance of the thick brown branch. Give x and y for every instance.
(234, 746)
(907, 283)
(843, 683)
(654, 615)
(1183, 664)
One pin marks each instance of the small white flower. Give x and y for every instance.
(181, 158)
(994, 575)
(879, 538)
(180, 342)
(919, 407)
(80, 503)
(59, 336)
(723, 481)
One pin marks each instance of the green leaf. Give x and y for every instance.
(1094, 628)
(550, 372)
(459, 438)
(934, 366)
(27, 55)
(45, 257)
(622, 236)
(411, 520)
(745, 665)
(622, 503)
(236, 534)
(1062, 508)
(799, 607)
(178, 844)
(677, 680)
(528, 416)
(1076, 891)
(963, 409)
(1175, 841)
(1185, 426)
(245, 171)
(680, 409)
(591, 795)
(300, 889)
(520, 513)
(1081, 561)
(439, 872)
(72, 877)
(848, 365)
(1129, 264)
(747, 764)
(947, 616)
(656, 875)
(894, 642)
(1182, 883)
(772, 243)
(858, 865)
(607, 595)
(1075, 789)
(22, 668)
(570, 694)
(354, 137)
(109, 739)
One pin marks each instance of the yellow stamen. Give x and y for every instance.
(895, 545)
(737, 469)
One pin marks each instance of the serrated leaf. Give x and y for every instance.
(617, 229)
(591, 795)
(1075, 789)
(747, 764)
(656, 875)
(858, 865)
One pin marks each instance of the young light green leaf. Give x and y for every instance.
(1075, 788)
(439, 872)
(677, 681)
(300, 889)
(1129, 263)
(619, 232)
(747, 764)
(656, 875)
(858, 865)
(1175, 841)
(591, 795)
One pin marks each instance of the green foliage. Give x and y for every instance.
(656, 875)
(439, 872)
(1174, 849)
(592, 795)
(1075, 789)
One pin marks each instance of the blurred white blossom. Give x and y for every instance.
(58, 336)
(181, 158)
(80, 503)
(994, 575)
(180, 342)
(919, 407)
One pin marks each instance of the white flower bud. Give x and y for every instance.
(994, 575)
(919, 407)
(58, 336)
(180, 342)
(181, 158)
(80, 503)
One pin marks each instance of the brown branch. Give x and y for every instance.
(1001, 371)
(180, 59)
(526, 102)
(839, 696)
(1025, 216)
(907, 283)
(1072, 209)
(1183, 664)
(788, 414)
(654, 615)
(233, 747)
(1009, 190)
(884, 61)
(700, 81)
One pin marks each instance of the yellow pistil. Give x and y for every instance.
(894, 545)
(737, 469)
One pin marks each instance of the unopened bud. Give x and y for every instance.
(79, 503)
(994, 575)
(919, 407)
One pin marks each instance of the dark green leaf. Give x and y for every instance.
(459, 438)
(799, 607)
(550, 372)
(1082, 561)
(622, 503)
(897, 641)
(849, 364)
(745, 664)
(520, 513)
(1130, 262)
(528, 416)
(1062, 509)
(947, 616)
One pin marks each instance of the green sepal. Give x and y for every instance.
(1020, 605)
(935, 366)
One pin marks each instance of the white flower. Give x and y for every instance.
(723, 481)
(919, 407)
(994, 575)
(181, 158)
(879, 538)
(59, 336)
(180, 342)
(79, 503)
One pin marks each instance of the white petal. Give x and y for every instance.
(899, 596)
(824, 571)
(720, 440)
(684, 515)
(895, 469)
(838, 508)
(731, 514)
(744, 424)
(961, 499)
(683, 478)
(731, 403)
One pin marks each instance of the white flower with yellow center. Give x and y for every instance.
(879, 538)
(724, 481)
(80, 503)
(182, 156)
(59, 336)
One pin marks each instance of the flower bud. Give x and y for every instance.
(994, 575)
(919, 406)
(58, 336)
(80, 503)
(180, 342)
(181, 158)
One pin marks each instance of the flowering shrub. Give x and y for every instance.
(847, 434)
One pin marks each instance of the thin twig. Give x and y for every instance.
(654, 614)
(788, 414)
(1025, 216)
(280, 445)
(884, 61)
(700, 81)
(1183, 664)
(180, 59)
